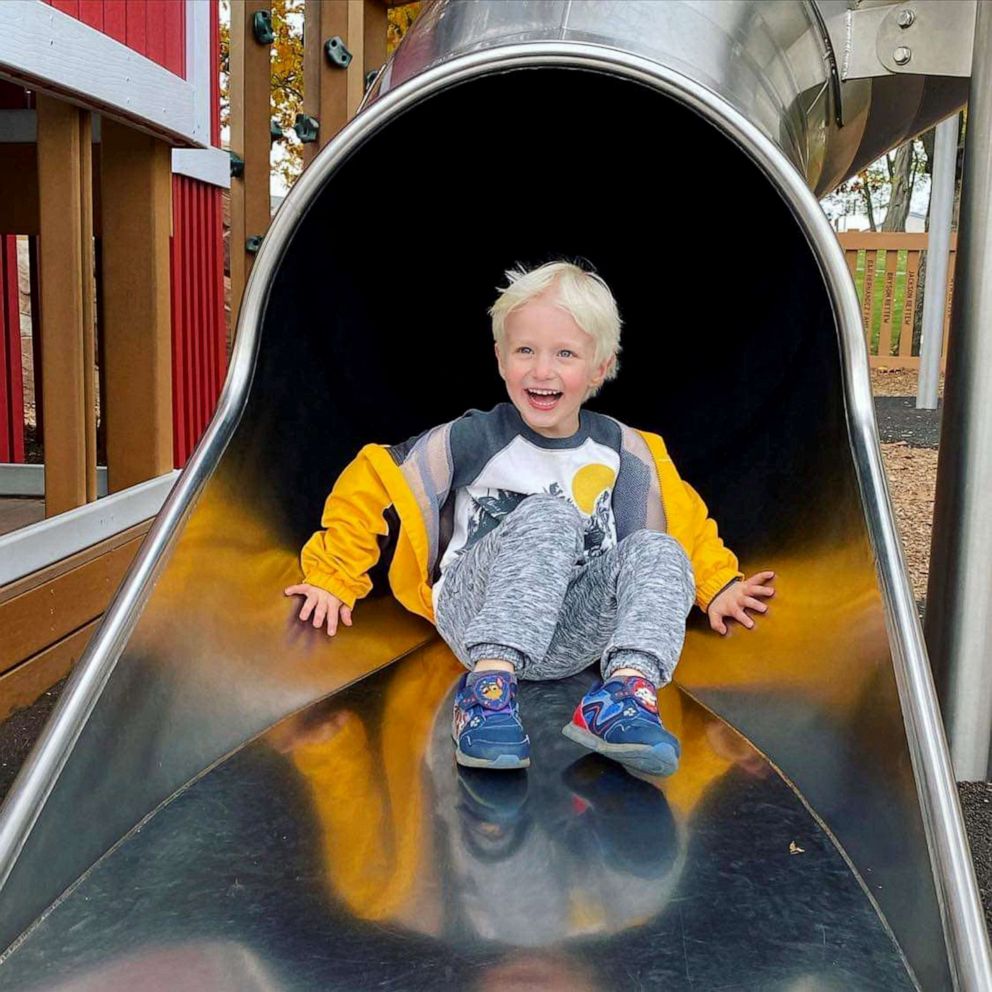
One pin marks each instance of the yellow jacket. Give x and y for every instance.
(408, 481)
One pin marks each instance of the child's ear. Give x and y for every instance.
(600, 377)
(499, 361)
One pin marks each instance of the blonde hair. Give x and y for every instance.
(584, 295)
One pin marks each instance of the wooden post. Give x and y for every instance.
(89, 307)
(136, 202)
(332, 94)
(251, 115)
(66, 283)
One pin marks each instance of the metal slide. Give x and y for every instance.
(310, 829)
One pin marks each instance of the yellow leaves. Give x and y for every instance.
(399, 20)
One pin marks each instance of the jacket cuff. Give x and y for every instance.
(714, 585)
(330, 583)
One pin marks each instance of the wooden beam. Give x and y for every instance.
(47, 617)
(89, 306)
(19, 170)
(136, 201)
(251, 116)
(51, 572)
(332, 94)
(376, 29)
(66, 278)
(47, 612)
(22, 685)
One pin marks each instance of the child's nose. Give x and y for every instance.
(545, 368)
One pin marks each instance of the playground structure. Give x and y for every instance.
(112, 178)
(843, 707)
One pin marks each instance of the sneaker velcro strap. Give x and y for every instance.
(493, 692)
(641, 690)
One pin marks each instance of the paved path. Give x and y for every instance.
(899, 420)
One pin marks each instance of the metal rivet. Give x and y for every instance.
(902, 55)
(905, 17)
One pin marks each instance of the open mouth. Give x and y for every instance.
(543, 399)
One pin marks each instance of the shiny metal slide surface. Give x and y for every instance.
(656, 157)
(346, 850)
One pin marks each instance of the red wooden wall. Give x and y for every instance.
(199, 350)
(199, 331)
(155, 28)
(11, 387)
(12, 97)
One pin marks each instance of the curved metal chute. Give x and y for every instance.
(674, 145)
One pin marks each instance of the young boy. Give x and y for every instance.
(539, 537)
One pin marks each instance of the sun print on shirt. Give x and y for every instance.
(591, 493)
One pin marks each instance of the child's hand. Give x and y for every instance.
(323, 605)
(737, 599)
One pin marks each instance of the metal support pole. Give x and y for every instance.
(938, 256)
(959, 596)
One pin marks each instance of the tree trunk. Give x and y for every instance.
(902, 189)
(927, 138)
(869, 207)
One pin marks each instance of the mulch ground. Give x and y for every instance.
(19, 732)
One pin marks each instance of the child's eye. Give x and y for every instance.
(523, 350)
(567, 353)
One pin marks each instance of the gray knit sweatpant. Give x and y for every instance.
(523, 594)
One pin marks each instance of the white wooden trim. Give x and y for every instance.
(18, 479)
(209, 165)
(199, 64)
(47, 50)
(26, 550)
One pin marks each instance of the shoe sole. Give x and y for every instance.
(652, 759)
(502, 762)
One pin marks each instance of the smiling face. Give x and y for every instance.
(549, 365)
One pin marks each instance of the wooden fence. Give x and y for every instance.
(886, 269)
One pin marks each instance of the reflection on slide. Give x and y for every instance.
(346, 850)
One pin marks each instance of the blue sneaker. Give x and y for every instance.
(620, 721)
(486, 728)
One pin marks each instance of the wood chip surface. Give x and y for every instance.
(912, 474)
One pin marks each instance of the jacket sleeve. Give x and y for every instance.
(339, 557)
(714, 564)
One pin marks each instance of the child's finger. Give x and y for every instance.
(308, 606)
(762, 576)
(294, 590)
(346, 615)
(320, 613)
(743, 619)
(332, 622)
(717, 624)
(759, 591)
(755, 604)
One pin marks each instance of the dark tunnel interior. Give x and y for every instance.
(376, 325)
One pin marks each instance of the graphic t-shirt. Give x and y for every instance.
(498, 461)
